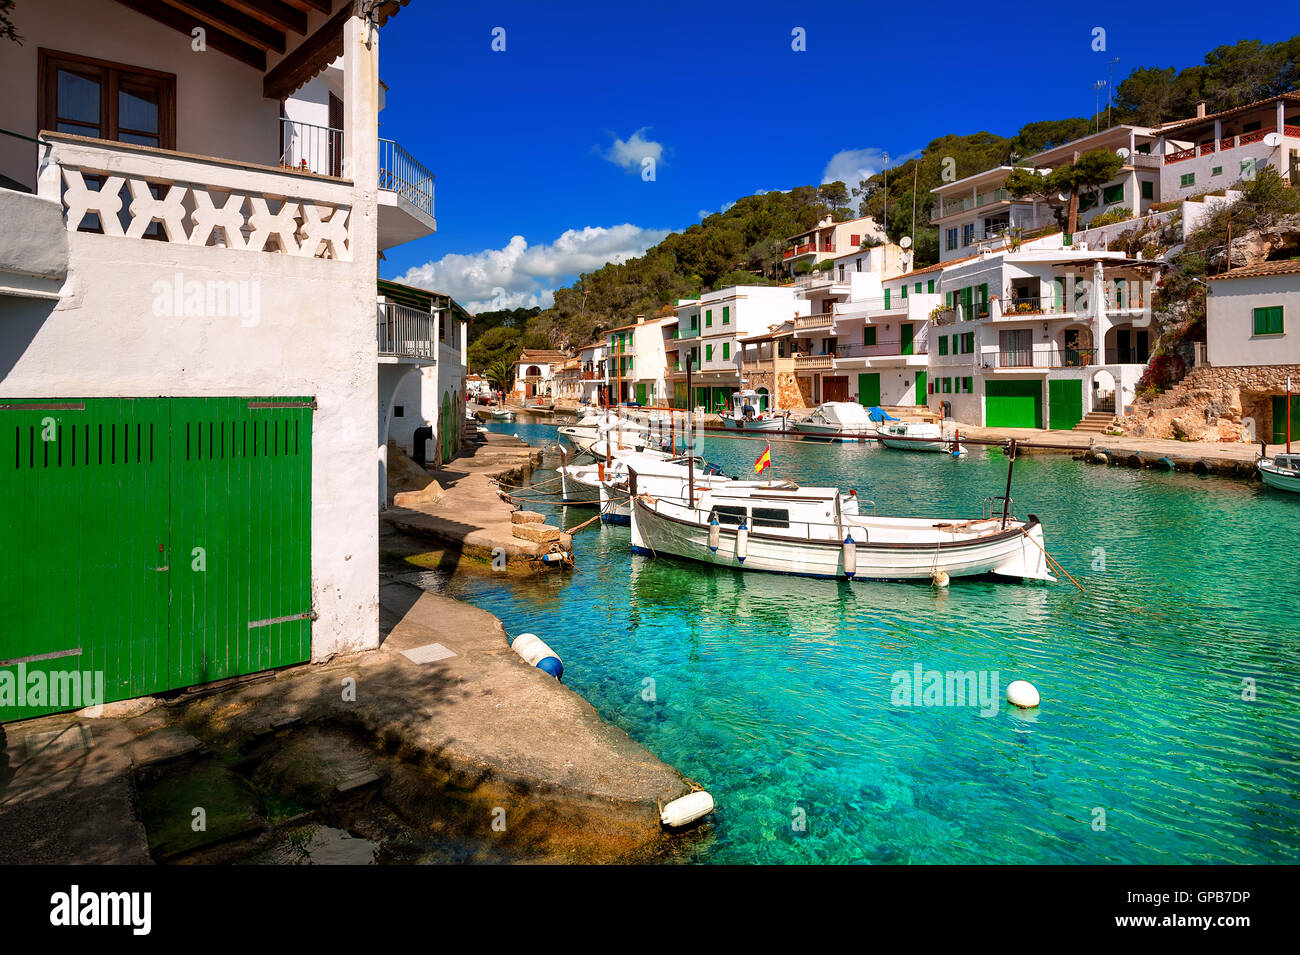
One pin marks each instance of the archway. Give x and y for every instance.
(1127, 345)
(1103, 391)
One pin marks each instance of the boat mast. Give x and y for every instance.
(1006, 500)
(690, 446)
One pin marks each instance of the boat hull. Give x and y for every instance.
(766, 424)
(575, 491)
(1282, 482)
(1014, 553)
(823, 432)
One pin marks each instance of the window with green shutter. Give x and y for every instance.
(1187, 179)
(708, 353)
(903, 292)
(1113, 194)
(708, 318)
(967, 343)
(918, 288)
(969, 385)
(1216, 171)
(947, 386)
(726, 315)
(929, 287)
(886, 299)
(1268, 320)
(1148, 190)
(868, 334)
(943, 344)
(726, 349)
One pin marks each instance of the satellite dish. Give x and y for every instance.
(1272, 140)
(1063, 196)
(1122, 152)
(905, 241)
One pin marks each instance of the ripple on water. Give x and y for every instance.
(776, 692)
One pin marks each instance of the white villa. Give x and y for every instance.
(191, 346)
(535, 369)
(829, 239)
(638, 362)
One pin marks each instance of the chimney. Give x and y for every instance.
(1200, 110)
(640, 319)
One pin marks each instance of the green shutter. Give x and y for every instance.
(929, 287)
(1268, 320)
(708, 353)
(726, 314)
(1064, 403)
(920, 388)
(868, 334)
(903, 291)
(726, 350)
(708, 318)
(943, 344)
(869, 388)
(886, 299)
(906, 332)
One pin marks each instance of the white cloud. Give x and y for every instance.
(851, 166)
(520, 275)
(628, 153)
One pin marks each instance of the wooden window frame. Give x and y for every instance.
(49, 62)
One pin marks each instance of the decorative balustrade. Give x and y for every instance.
(124, 190)
(1245, 139)
(814, 362)
(820, 320)
(1180, 155)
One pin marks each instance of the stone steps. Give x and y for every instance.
(1095, 421)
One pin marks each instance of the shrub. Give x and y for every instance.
(1111, 216)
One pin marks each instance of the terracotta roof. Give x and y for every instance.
(1283, 267)
(542, 355)
(648, 321)
(1291, 97)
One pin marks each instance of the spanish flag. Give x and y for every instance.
(764, 460)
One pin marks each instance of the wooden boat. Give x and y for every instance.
(818, 532)
(734, 417)
(589, 430)
(1281, 471)
(917, 436)
(657, 474)
(837, 421)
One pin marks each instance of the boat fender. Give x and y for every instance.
(1100, 457)
(685, 810)
(536, 653)
(940, 578)
(1134, 461)
(742, 541)
(559, 557)
(1023, 694)
(850, 556)
(715, 534)
(1163, 464)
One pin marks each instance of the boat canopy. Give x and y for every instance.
(845, 414)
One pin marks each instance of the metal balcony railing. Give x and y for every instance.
(893, 348)
(1045, 356)
(405, 332)
(400, 173)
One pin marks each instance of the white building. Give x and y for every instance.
(829, 239)
(1220, 150)
(638, 363)
(592, 361)
(977, 213)
(427, 409)
(709, 330)
(534, 370)
(190, 330)
(1039, 337)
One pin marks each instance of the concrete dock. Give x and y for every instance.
(470, 519)
(443, 737)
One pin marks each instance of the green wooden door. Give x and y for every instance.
(1064, 403)
(640, 394)
(869, 389)
(1013, 404)
(921, 382)
(905, 332)
(1279, 419)
(160, 543)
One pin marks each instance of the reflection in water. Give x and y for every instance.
(775, 692)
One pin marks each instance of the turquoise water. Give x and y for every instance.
(776, 693)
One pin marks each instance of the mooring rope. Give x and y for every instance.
(1052, 560)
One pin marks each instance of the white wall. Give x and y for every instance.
(1230, 328)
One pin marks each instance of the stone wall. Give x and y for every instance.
(1214, 404)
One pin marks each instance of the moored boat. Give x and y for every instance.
(817, 532)
(918, 436)
(1281, 471)
(837, 421)
(656, 474)
(745, 412)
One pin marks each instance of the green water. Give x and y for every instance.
(776, 693)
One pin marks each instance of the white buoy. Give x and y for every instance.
(1023, 694)
(538, 654)
(687, 809)
(850, 556)
(742, 542)
(715, 534)
(940, 578)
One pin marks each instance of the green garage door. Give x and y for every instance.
(1064, 403)
(1279, 419)
(160, 542)
(1013, 404)
(869, 389)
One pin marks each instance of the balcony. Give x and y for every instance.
(1039, 356)
(814, 362)
(405, 186)
(807, 248)
(820, 320)
(1036, 306)
(893, 348)
(405, 333)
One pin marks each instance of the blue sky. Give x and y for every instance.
(537, 148)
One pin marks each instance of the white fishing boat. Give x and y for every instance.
(1281, 471)
(586, 432)
(756, 418)
(501, 414)
(580, 483)
(818, 532)
(837, 421)
(918, 436)
(660, 475)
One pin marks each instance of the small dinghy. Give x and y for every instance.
(755, 419)
(1281, 471)
(918, 436)
(837, 421)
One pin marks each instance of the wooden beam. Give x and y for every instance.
(228, 20)
(216, 39)
(274, 13)
(312, 55)
(320, 6)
